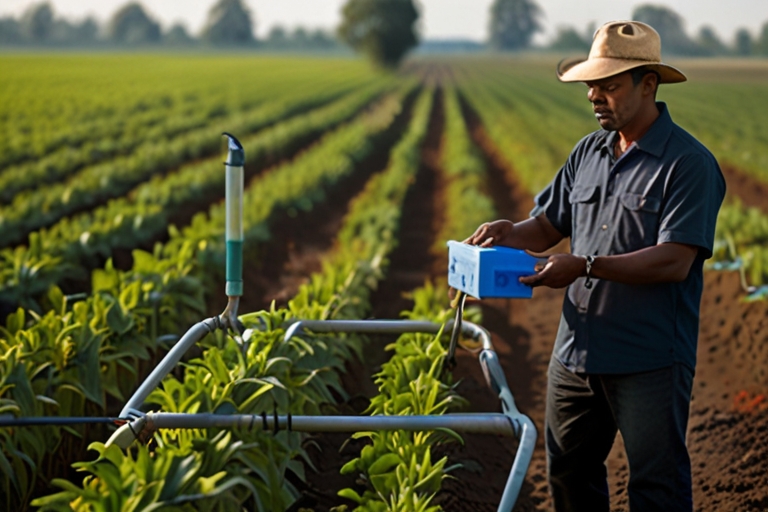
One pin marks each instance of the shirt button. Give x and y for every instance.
(604, 227)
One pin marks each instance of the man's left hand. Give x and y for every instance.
(559, 271)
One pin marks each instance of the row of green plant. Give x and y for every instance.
(532, 154)
(465, 175)
(65, 161)
(95, 184)
(83, 240)
(741, 239)
(199, 469)
(727, 118)
(96, 139)
(244, 468)
(172, 264)
(301, 183)
(397, 467)
(80, 355)
(79, 98)
(730, 125)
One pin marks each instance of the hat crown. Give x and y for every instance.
(626, 40)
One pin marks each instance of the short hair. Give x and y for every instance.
(639, 73)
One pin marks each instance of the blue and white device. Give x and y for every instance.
(489, 272)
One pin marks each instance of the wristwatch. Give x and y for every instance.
(590, 260)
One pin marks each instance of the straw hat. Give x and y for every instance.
(619, 46)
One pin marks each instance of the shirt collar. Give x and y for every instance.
(655, 139)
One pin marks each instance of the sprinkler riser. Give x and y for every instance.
(234, 185)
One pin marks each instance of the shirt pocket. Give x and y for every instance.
(585, 200)
(638, 222)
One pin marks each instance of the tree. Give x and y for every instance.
(177, 35)
(10, 32)
(87, 31)
(300, 37)
(321, 39)
(131, 25)
(381, 29)
(62, 31)
(670, 27)
(229, 23)
(514, 23)
(36, 23)
(709, 43)
(761, 46)
(743, 42)
(277, 37)
(569, 39)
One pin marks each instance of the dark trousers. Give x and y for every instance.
(650, 409)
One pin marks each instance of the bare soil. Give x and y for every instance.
(750, 191)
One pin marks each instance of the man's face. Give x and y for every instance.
(615, 100)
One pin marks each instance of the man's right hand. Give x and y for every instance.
(491, 233)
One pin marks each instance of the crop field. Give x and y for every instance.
(112, 228)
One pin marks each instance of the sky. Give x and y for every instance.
(440, 19)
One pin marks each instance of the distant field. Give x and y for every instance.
(111, 243)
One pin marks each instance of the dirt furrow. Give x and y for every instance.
(751, 191)
(411, 263)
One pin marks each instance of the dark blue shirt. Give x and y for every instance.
(666, 187)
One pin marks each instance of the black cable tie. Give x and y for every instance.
(135, 435)
(253, 418)
(274, 412)
(264, 421)
(289, 413)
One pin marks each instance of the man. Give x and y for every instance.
(639, 200)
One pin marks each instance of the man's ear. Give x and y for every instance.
(650, 84)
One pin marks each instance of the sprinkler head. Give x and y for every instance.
(236, 156)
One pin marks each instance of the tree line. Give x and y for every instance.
(384, 30)
(229, 23)
(674, 39)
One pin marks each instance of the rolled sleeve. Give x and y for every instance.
(694, 194)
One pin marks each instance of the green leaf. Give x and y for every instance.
(5, 465)
(351, 495)
(104, 280)
(383, 464)
(118, 320)
(129, 297)
(349, 467)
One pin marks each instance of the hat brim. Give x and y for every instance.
(597, 68)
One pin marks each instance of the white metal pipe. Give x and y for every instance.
(491, 423)
(386, 327)
(522, 426)
(192, 336)
(520, 465)
(511, 422)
